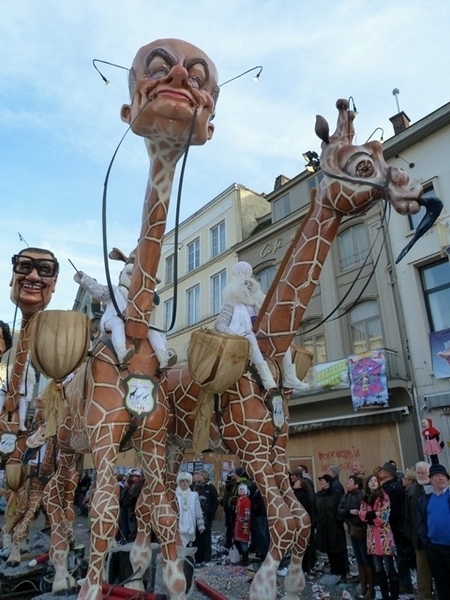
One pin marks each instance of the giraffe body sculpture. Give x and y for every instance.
(355, 178)
(173, 86)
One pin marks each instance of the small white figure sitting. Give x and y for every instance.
(242, 300)
(25, 395)
(113, 323)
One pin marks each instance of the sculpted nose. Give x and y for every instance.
(179, 75)
(399, 176)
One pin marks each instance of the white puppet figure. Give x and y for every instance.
(25, 394)
(113, 323)
(242, 300)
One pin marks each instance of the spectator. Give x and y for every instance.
(411, 530)
(375, 511)
(260, 536)
(190, 515)
(358, 470)
(229, 499)
(304, 494)
(124, 524)
(307, 476)
(209, 502)
(333, 471)
(299, 473)
(83, 486)
(242, 526)
(131, 500)
(348, 511)
(392, 486)
(330, 534)
(434, 530)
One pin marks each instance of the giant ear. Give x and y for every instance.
(125, 113)
(211, 128)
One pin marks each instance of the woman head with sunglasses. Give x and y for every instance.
(35, 272)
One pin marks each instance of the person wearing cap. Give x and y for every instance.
(330, 533)
(242, 300)
(190, 515)
(434, 528)
(392, 486)
(333, 471)
(411, 529)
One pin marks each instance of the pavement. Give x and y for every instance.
(234, 581)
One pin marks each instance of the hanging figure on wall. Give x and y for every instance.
(431, 443)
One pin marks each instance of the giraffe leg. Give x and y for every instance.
(104, 513)
(164, 519)
(141, 552)
(61, 518)
(21, 529)
(294, 582)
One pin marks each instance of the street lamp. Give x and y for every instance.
(255, 78)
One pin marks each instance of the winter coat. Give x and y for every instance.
(242, 525)
(350, 501)
(380, 540)
(330, 534)
(209, 500)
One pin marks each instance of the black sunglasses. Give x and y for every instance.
(24, 265)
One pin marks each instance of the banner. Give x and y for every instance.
(330, 375)
(368, 381)
(440, 353)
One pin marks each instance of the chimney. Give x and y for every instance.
(400, 122)
(279, 181)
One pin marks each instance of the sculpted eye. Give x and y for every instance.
(360, 165)
(159, 72)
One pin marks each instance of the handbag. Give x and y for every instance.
(358, 533)
(233, 555)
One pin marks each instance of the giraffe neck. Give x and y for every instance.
(148, 252)
(297, 278)
(22, 347)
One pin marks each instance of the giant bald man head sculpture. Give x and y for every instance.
(169, 81)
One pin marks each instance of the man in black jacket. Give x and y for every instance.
(209, 501)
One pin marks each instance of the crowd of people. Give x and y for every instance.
(396, 522)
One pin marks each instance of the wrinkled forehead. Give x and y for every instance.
(180, 50)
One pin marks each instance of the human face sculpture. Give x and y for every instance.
(35, 273)
(169, 80)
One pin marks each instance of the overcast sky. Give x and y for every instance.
(60, 124)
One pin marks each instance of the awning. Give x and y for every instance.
(387, 415)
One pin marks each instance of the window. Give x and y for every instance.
(169, 269)
(414, 220)
(436, 290)
(218, 239)
(353, 246)
(168, 312)
(194, 255)
(218, 283)
(311, 337)
(365, 327)
(265, 277)
(193, 305)
(281, 207)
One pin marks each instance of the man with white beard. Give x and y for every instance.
(424, 579)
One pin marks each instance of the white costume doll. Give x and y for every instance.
(25, 394)
(112, 323)
(242, 300)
